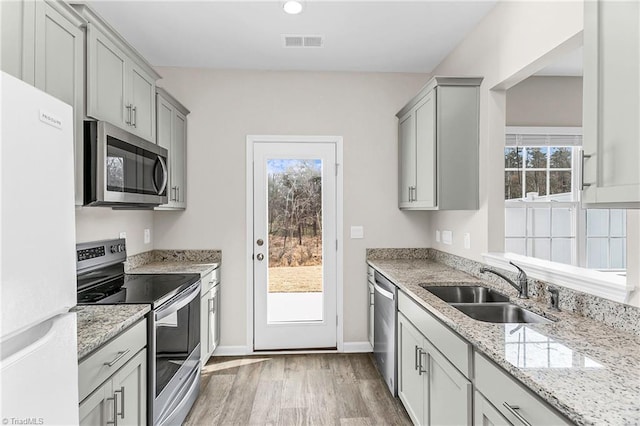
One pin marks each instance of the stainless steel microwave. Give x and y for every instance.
(122, 169)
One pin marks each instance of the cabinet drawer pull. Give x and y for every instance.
(121, 392)
(118, 357)
(513, 409)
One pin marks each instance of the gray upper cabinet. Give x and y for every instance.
(43, 44)
(611, 85)
(172, 135)
(438, 146)
(120, 84)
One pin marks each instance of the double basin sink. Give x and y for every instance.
(484, 304)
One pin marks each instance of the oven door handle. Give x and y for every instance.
(179, 302)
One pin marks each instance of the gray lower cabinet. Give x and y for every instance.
(120, 84)
(172, 135)
(113, 381)
(438, 137)
(432, 390)
(611, 107)
(43, 45)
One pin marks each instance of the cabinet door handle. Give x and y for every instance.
(178, 194)
(117, 358)
(134, 111)
(115, 412)
(583, 185)
(121, 392)
(415, 353)
(421, 368)
(212, 305)
(128, 120)
(513, 409)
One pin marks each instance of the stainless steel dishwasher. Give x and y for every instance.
(384, 330)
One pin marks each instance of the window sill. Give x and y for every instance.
(607, 285)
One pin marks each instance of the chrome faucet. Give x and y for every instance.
(523, 284)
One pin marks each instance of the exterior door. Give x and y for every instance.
(294, 245)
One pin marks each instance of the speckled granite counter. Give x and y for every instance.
(97, 324)
(587, 370)
(164, 267)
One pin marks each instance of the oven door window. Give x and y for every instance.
(177, 335)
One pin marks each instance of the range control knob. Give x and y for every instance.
(114, 249)
(120, 247)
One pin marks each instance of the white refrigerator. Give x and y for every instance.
(38, 343)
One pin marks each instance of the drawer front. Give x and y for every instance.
(210, 280)
(452, 346)
(99, 366)
(500, 389)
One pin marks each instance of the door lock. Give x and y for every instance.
(260, 256)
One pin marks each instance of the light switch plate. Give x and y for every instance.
(437, 236)
(447, 237)
(147, 236)
(357, 232)
(467, 240)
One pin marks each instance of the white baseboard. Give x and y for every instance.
(232, 351)
(351, 347)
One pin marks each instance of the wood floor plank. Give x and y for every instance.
(380, 404)
(293, 393)
(342, 368)
(237, 409)
(349, 403)
(267, 403)
(363, 367)
(273, 369)
(322, 399)
(208, 407)
(359, 421)
(293, 416)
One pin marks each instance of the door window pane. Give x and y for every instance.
(295, 240)
(536, 182)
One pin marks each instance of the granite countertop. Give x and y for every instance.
(97, 324)
(587, 370)
(169, 267)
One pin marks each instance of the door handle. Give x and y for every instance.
(134, 114)
(260, 256)
(421, 368)
(115, 411)
(583, 185)
(128, 119)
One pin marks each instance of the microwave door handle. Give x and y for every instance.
(165, 176)
(179, 302)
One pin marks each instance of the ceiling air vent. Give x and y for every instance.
(303, 40)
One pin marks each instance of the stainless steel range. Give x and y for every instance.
(174, 323)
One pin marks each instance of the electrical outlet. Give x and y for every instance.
(447, 237)
(147, 236)
(123, 235)
(467, 241)
(437, 236)
(357, 232)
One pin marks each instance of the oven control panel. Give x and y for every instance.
(93, 255)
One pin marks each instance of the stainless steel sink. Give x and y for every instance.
(466, 294)
(500, 313)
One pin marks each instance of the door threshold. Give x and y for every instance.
(294, 351)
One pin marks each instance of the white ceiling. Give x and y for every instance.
(385, 36)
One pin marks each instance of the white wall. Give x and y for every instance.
(545, 101)
(515, 40)
(226, 106)
(101, 223)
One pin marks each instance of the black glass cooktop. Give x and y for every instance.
(137, 289)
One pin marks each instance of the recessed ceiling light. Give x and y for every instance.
(292, 7)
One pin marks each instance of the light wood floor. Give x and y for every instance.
(327, 389)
